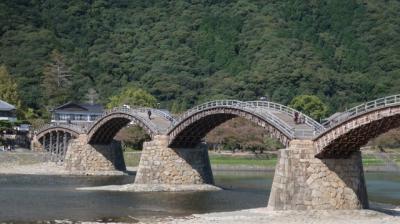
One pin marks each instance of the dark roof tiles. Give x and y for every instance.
(86, 107)
(4, 106)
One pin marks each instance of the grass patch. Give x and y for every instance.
(131, 158)
(397, 161)
(372, 161)
(232, 160)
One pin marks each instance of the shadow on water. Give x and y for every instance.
(385, 208)
(27, 198)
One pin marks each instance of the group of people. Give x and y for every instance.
(6, 148)
(299, 118)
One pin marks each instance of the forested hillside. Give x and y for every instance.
(189, 51)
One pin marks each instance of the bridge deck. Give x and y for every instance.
(159, 121)
(302, 130)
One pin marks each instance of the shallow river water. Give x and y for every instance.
(33, 198)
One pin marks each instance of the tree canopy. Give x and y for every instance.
(310, 105)
(186, 52)
(8, 88)
(134, 97)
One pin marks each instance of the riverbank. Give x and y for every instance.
(245, 161)
(28, 162)
(379, 214)
(51, 168)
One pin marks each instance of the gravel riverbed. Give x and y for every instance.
(379, 214)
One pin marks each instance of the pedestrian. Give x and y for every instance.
(296, 117)
(149, 113)
(301, 119)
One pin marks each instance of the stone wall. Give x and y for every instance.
(88, 158)
(160, 164)
(302, 181)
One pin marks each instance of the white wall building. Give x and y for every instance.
(76, 113)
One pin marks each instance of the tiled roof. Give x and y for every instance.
(4, 106)
(94, 108)
(78, 107)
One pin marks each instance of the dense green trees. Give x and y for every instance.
(134, 97)
(8, 88)
(310, 105)
(187, 52)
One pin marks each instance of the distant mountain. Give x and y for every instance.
(186, 52)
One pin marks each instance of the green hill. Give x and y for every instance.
(187, 52)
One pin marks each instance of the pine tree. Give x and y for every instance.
(92, 96)
(56, 81)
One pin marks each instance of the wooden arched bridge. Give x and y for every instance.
(350, 130)
(186, 130)
(318, 160)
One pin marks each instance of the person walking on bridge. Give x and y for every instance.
(149, 114)
(296, 117)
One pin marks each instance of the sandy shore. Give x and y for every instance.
(380, 215)
(50, 168)
(47, 168)
(153, 188)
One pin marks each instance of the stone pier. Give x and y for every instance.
(160, 164)
(303, 182)
(87, 158)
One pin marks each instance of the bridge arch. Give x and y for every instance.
(194, 124)
(104, 129)
(54, 138)
(357, 126)
(73, 130)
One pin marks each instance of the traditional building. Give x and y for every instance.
(76, 113)
(7, 112)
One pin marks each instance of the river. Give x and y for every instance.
(35, 198)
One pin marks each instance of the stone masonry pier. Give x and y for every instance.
(87, 158)
(303, 182)
(160, 164)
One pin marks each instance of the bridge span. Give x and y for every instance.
(320, 168)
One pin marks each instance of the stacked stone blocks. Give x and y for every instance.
(85, 157)
(160, 164)
(303, 182)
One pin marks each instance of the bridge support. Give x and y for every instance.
(160, 164)
(36, 146)
(87, 158)
(303, 182)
